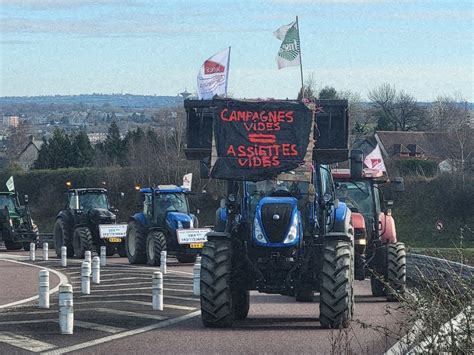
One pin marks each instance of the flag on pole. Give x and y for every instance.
(10, 184)
(374, 160)
(212, 77)
(188, 181)
(289, 53)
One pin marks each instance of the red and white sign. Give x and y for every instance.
(374, 160)
(212, 77)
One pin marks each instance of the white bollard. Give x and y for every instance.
(66, 309)
(197, 277)
(163, 262)
(64, 256)
(96, 270)
(85, 278)
(103, 256)
(32, 252)
(43, 301)
(88, 256)
(157, 291)
(45, 251)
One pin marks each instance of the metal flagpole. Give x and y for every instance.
(227, 72)
(301, 63)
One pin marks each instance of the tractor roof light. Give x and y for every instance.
(69, 184)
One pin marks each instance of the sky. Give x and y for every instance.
(68, 47)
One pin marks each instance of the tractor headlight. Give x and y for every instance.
(180, 225)
(293, 232)
(258, 233)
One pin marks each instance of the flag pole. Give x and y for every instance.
(301, 63)
(227, 74)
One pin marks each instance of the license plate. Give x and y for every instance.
(196, 245)
(114, 240)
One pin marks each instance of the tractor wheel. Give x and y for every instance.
(135, 244)
(122, 252)
(240, 303)
(109, 249)
(12, 245)
(377, 286)
(304, 296)
(396, 271)
(216, 294)
(62, 237)
(186, 258)
(155, 244)
(82, 239)
(336, 304)
(26, 246)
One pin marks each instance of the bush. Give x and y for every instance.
(409, 167)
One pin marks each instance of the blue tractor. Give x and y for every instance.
(164, 224)
(278, 232)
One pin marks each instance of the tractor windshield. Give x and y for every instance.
(168, 202)
(7, 200)
(357, 194)
(91, 200)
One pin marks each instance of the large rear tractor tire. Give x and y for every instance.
(186, 258)
(12, 245)
(155, 244)
(241, 303)
(336, 304)
(135, 244)
(396, 271)
(82, 239)
(62, 237)
(217, 309)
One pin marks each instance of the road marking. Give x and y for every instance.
(143, 295)
(123, 313)
(139, 283)
(142, 303)
(77, 323)
(62, 280)
(123, 334)
(24, 343)
(140, 288)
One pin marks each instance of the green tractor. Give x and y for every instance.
(17, 229)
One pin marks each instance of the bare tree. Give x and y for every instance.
(448, 112)
(396, 111)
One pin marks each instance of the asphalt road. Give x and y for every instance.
(118, 318)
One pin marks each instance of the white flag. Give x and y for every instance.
(212, 77)
(10, 184)
(289, 53)
(374, 160)
(188, 181)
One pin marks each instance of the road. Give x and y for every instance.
(117, 317)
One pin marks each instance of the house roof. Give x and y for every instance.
(431, 144)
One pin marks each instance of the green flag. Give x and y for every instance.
(289, 53)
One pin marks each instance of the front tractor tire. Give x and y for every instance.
(186, 258)
(135, 244)
(396, 271)
(155, 244)
(241, 303)
(62, 237)
(82, 241)
(12, 245)
(217, 309)
(336, 297)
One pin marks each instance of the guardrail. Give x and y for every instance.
(423, 269)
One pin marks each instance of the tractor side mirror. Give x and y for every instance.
(26, 199)
(398, 184)
(356, 163)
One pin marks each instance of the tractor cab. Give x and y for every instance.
(9, 201)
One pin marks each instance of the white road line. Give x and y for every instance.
(25, 343)
(171, 306)
(140, 283)
(62, 280)
(77, 323)
(142, 295)
(123, 334)
(140, 288)
(123, 313)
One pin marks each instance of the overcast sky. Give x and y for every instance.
(52, 47)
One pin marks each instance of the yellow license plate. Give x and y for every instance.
(114, 240)
(196, 245)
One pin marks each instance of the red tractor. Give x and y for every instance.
(378, 253)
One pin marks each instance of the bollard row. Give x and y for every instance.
(157, 291)
(43, 300)
(66, 309)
